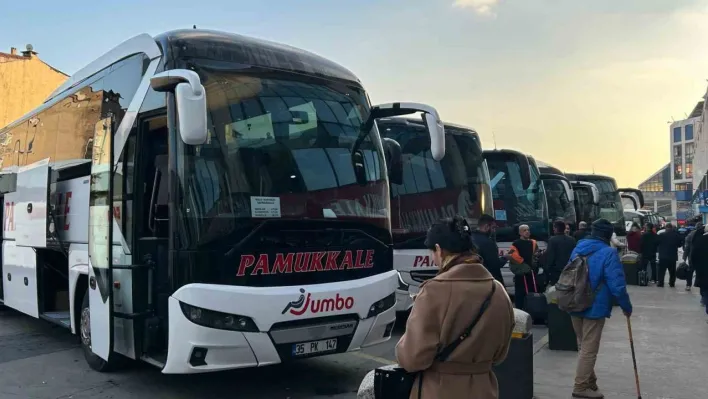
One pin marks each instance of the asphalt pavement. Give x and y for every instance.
(41, 361)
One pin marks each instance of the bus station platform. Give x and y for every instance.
(671, 344)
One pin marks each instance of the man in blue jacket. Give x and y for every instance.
(607, 281)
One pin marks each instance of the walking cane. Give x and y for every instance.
(634, 358)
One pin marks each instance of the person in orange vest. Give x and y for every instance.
(522, 263)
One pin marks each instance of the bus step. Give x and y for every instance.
(133, 316)
(62, 319)
(157, 360)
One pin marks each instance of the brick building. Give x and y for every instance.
(25, 82)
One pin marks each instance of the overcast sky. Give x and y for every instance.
(579, 84)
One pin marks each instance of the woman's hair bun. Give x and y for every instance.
(459, 224)
(452, 234)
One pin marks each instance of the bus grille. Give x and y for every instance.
(423, 275)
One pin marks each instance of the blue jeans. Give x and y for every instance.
(704, 297)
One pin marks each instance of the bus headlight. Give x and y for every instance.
(402, 284)
(218, 320)
(382, 305)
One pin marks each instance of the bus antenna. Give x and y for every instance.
(494, 136)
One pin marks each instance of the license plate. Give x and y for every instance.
(307, 348)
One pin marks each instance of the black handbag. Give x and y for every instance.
(397, 383)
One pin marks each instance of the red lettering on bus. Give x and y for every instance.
(283, 263)
(246, 262)
(332, 260)
(303, 262)
(347, 261)
(421, 261)
(261, 265)
(316, 263)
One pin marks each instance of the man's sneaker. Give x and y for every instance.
(588, 394)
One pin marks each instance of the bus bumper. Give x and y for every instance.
(333, 318)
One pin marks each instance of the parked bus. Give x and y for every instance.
(610, 204)
(585, 197)
(204, 201)
(424, 190)
(559, 195)
(518, 198)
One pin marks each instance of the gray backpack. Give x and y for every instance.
(573, 289)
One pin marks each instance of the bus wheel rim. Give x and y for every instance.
(86, 327)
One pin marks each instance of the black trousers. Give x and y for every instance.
(521, 289)
(663, 265)
(649, 261)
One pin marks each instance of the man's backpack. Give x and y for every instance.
(573, 290)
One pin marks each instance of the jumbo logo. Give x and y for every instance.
(302, 262)
(305, 303)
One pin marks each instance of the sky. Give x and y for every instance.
(583, 85)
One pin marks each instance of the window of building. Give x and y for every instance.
(677, 134)
(689, 132)
(653, 184)
(678, 162)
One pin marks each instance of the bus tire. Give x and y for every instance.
(115, 360)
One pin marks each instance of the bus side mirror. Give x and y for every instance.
(190, 97)
(431, 119)
(523, 162)
(359, 168)
(394, 160)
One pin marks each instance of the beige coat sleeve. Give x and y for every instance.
(420, 343)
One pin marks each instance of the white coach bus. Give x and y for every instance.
(203, 201)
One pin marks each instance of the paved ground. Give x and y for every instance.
(38, 360)
(671, 342)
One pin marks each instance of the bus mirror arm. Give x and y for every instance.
(153, 200)
(431, 119)
(190, 98)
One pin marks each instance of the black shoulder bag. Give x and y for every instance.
(397, 383)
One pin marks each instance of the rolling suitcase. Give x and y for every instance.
(643, 278)
(535, 304)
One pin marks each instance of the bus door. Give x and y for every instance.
(100, 240)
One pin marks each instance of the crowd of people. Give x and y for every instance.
(465, 303)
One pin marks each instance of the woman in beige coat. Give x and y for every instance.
(445, 306)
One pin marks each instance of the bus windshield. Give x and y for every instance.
(560, 207)
(515, 204)
(611, 207)
(279, 148)
(430, 190)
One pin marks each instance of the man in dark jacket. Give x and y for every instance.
(649, 247)
(669, 243)
(560, 246)
(582, 231)
(487, 247)
(687, 247)
(699, 263)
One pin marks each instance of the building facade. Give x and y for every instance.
(25, 82)
(659, 195)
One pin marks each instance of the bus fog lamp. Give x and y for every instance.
(218, 320)
(382, 305)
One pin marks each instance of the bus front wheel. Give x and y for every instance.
(115, 360)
